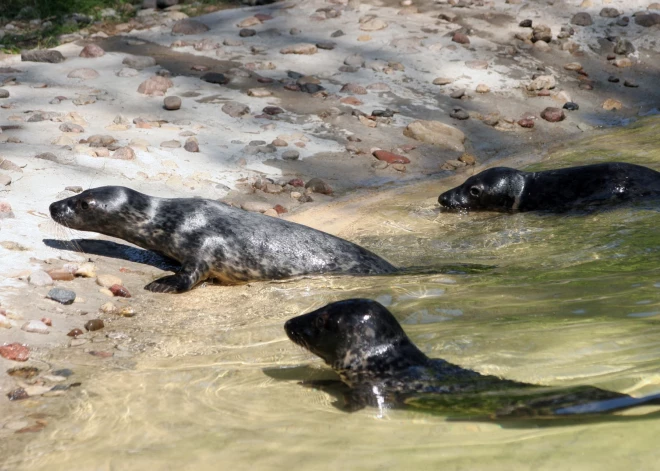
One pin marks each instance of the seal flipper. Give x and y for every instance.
(183, 281)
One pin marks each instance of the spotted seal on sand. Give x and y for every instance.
(365, 345)
(508, 189)
(212, 239)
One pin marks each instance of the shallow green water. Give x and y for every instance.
(549, 299)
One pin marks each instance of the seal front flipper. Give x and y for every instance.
(185, 280)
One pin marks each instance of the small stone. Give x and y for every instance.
(127, 72)
(630, 83)
(120, 291)
(47, 320)
(215, 77)
(326, 45)
(139, 62)
(259, 92)
(107, 280)
(622, 62)
(573, 66)
(15, 352)
(100, 140)
(127, 311)
(552, 114)
(319, 186)
(92, 50)
(612, 104)
(623, 21)
(482, 88)
(60, 275)
(272, 110)
(246, 33)
(256, 206)
(172, 103)
(571, 106)
(249, 21)
(460, 38)
(468, 159)
(84, 74)
(17, 395)
(613, 79)
(442, 81)
(108, 308)
(375, 24)
(477, 64)
(542, 82)
(353, 88)
(290, 155)
(582, 19)
(235, 109)
(645, 20)
(459, 113)
(188, 26)
(525, 24)
(541, 33)
(40, 278)
(94, 324)
(62, 296)
(5, 210)
(35, 327)
(303, 48)
(609, 12)
(124, 153)
(623, 47)
(458, 94)
(191, 145)
(155, 85)
(271, 212)
(75, 333)
(4, 93)
(390, 157)
(171, 144)
(354, 60)
(42, 55)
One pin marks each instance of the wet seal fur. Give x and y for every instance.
(508, 189)
(212, 239)
(374, 358)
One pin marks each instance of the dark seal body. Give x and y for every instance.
(365, 345)
(508, 189)
(212, 239)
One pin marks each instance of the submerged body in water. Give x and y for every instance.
(508, 189)
(212, 239)
(379, 366)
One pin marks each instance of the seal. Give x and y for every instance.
(508, 189)
(212, 239)
(366, 346)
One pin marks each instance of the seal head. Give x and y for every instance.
(497, 188)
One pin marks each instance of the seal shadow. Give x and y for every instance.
(111, 249)
(329, 382)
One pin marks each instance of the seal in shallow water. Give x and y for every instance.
(365, 345)
(508, 189)
(212, 239)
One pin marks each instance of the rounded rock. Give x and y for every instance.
(92, 50)
(172, 103)
(62, 296)
(552, 114)
(106, 280)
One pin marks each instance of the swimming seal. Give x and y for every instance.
(365, 345)
(508, 189)
(212, 239)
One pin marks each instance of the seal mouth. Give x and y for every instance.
(294, 335)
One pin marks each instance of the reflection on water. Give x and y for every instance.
(549, 299)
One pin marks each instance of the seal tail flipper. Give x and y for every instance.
(181, 282)
(610, 405)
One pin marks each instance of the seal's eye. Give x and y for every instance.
(85, 205)
(475, 191)
(320, 322)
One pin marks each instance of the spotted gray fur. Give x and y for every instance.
(365, 345)
(212, 239)
(508, 189)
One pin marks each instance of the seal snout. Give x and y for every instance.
(445, 199)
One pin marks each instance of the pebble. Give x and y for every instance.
(40, 278)
(42, 55)
(171, 144)
(542, 33)
(552, 114)
(106, 280)
(525, 24)
(235, 109)
(582, 19)
(647, 19)
(482, 88)
(17, 395)
(460, 38)
(326, 45)
(571, 106)
(60, 275)
(272, 110)
(94, 324)
(127, 311)
(84, 74)
(630, 83)
(623, 21)
(375, 24)
(108, 308)
(436, 133)
(120, 291)
(459, 113)
(172, 103)
(573, 66)
(62, 296)
(256, 206)
(319, 186)
(337, 34)
(612, 104)
(5, 210)
(4, 93)
(124, 153)
(35, 327)
(100, 140)
(613, 79)
(71, 127)
(623, 47)
(246, 33)
(92, 50)
(259, 92)
(390, 157)
(139, 62)
(622, 62)
(290, 155)
(458, 94)
(191, 145)
(75, 333)
(442, 81)
(354, 60)
(303, 48)
(353, 88)
(15, 352)
(609, 12)
(155, 85)
(188, 26)
(271, 212)
(476, 64)
(542, 82)
(215, 77)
